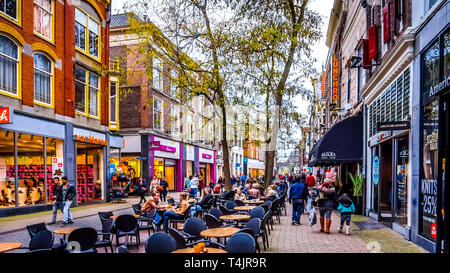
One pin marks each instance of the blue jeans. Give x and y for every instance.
(346, 218)
(194, 192)
(297, 209)
(170, 215)
(57, 206)
(66, 211)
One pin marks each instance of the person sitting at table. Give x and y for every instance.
(152, 203)
(177, 213)
(246, 188)
(254, 191)
(271, 195)
(240, 195)
(207, 196)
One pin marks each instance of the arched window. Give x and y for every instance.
(9, 65)
(43, 74)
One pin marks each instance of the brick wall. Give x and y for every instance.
(129, 110)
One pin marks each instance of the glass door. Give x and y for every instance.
(401, 181)
(385, 188)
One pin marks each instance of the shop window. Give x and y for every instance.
(113, 102)
(9, 62)
(43, 75)
(7, 170)
(401, 186)
(31, 169)
(87, 33)
(447, 54)
(43, 18)
(55, 164)
(431, 64)
(9, 8)
(157, 114)
(157, 74)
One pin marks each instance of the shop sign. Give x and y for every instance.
(57, 167)
(394, 125)
(404, 153)
(207, 156)
(156, 145)
(434, 90)
(335, 80)
(91, 140)
(328, 155)
(384, 136)
(434, 231)
(6, 115)
(376, 170)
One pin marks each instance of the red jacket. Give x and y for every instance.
(311, 181)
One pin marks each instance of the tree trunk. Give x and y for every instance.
(226, 155)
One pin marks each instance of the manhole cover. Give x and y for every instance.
(369, 225)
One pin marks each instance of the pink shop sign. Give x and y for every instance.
(207, 156)
(156, 146)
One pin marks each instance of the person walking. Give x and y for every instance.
(327, 194)
(162, 188)
(311, 181)
(233, 180)
(194, 185)
(68, 193)
(297, 196)
(57, 199)
(142, 189)
(346, 208)
(154, 184)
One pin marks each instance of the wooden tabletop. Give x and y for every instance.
(8, 246)
(244, 208)
(65, 231)
(257, 202)
(220, 232)
(234, 217)
(115, 216)
(191, 250)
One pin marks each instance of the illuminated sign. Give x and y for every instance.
(156, 145)
(207, 156)
(335, 80)
(6, 115)
(323, 86)
(91, 140)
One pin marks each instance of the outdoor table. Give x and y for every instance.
(244, 208)
(8, 246)
(65, 231)
(255, 202)
(235, 217)
(116, 216)
(220, 232)
(191, 250)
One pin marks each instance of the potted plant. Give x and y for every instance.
(357, 192)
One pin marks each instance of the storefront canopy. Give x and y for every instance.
(343, 143)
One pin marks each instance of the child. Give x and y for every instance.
(312, 195)
(346, 208)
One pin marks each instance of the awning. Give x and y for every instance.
(343, 143)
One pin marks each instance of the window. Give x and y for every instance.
(174, 120)
(173, 83)
(447, 54)
(81, 83)
(157, 114)
(43, 70)
(9, 65)
(348, 84)
(43, 16)
(157, 71)
(9, 8)
(113, 102)
(429, 4)
(87, 29)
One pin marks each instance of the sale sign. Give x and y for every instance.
(434, 230)
(5, 115)
(57, 167)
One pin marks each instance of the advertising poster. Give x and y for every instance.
(57, 167)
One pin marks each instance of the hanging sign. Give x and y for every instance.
(6, 115)
(335, 80)
(376, 170)
(393, 125)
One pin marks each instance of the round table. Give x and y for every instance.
(8, 246)
(235, 217)
(244, 208)
(254, 202)
(220, 232)
(116, 216)
(191, 250)
(65, 231)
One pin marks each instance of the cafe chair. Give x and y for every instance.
(212, 221)
(264, 229)
(146, 222)
(36, 228)
(255, 225)
(276, 211)
(186, 215)
(193, 227)
(126, 225)
(283, 203)
(105, 215)
(160, 242)
(250, 197)
(182, 242)
(230, 204)
(106, 235)
(241, 243)
(239, 203)
(265, 207)
(122, 249)
(257, 212)
(86, 237)
(215, 212)
(226, 211)
(42, 242)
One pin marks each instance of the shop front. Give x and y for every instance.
(166, 161)
(129, 160)
(188, 163)
(31, 156)
(433, 191)
(255, 168)
(206, 165)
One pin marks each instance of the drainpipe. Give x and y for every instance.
(364, 167)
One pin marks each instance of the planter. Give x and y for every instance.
(358, 202)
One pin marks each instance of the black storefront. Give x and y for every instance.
(434, 144)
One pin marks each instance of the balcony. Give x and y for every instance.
(113, 67)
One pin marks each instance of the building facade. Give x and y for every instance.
(56, 104)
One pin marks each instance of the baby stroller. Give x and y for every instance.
(312, 196)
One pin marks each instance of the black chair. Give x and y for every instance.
(269, 220)
(186, 215)
(250, 197)
(257, 212)
(193, 227)
(215, 212)
(239, 203)
(105, 215)
(255, 225)
(265, 207)
(126, 225)
(230, 204)
(229, 195)
(212, 221)
(36, 228)
(106, 235)
(42, 242)
(137, 208)
(226, 211)
(122, 249)
(283, 203)
(275, 210)
(86, 237)
(241, 243)
(146, 222)
(160, 242)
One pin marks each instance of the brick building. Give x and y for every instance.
(55, 88)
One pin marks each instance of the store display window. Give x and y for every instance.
(7, 170)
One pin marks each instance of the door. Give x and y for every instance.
(385, 187)
(170, 176)
(400, 197)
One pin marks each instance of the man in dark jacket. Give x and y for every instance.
(297, 196)
(68, 193)
(57, 199)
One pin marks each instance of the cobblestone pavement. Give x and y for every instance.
(284, 238)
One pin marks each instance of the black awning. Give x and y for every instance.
(343, 143)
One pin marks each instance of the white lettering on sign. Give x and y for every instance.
(4, 116)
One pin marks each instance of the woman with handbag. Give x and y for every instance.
(154, 184)
(327, 194)
(162, 188)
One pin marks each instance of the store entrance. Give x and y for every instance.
(385, 188)
(89, 173)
